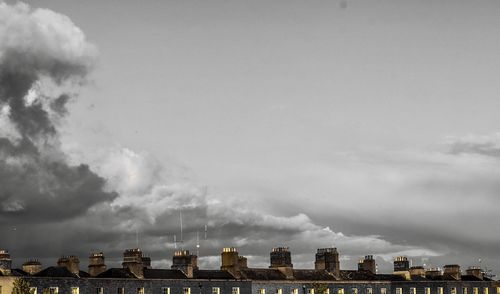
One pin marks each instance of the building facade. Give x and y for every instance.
(136, 276)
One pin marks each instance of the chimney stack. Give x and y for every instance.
(327, 259)
(475, 271)
(367, 264)
(96, 264)
(32, 266)
(417, 271)
(452, 271)
(281, 259)
(232, 262)
(146, 262)
(71, 263)
(433, 272)
(5, 262)
(132, 260)
(185, 262)
(401, 264)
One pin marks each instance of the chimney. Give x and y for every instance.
(367, 264)
(281, 259)
(5, 262)
(32, 266)
(242, 262)
(327, 259)
(185, 262)
(146, 262)
(96, 264)
(232, 262)
(401, 264)
(417, 271)
(433, 272)
(452, 271)
(475, 271)
(402, 267)
(132, 260)
(71, 263)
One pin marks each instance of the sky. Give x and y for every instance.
(371, 126)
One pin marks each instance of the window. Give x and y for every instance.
(414, 290)
(340, 291)
(354, 291)
(486, 290)
(215, 290)
(53, 290)
(235, 290)
(399, 290)
(427, 290)
(310, 291)
(165, 290)
(75, 290)
(99, 290)
(140, 290)
(475, 290)
(453, 290)
(280, 291)
(32, 290)
(465, 290)
(383, 290)
(369, 290)
(296, 291)
(120, 290)
(440, 290)
(327, 291)
(186, 290)
(498, 290)
(262, 291)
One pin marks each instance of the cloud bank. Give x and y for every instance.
(416, 203)
(39, 51)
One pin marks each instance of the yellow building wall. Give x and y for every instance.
(6, 284)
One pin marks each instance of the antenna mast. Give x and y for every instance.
(137, 238)
(181, 241)
(198, 243)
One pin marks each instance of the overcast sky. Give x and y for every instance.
(371, 126)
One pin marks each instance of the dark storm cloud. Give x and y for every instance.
(36, 182)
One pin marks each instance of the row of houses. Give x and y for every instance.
(136, 276)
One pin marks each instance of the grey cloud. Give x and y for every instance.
(59, 104)
(36, 182)
(488, 145)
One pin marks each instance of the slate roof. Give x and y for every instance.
(18, 272)
(164, 274)
(313, 275)
(262, 274)
(56, 272)
(418, 278)
(353, 275)
(471, 278)
(267, 274)
(117, 273)
(389, 277)
(213, 274)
